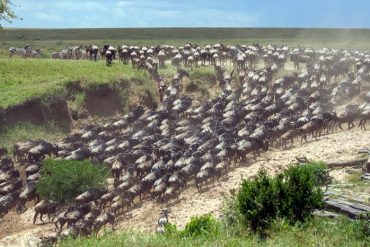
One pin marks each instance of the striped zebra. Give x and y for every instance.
(55, 55)
(76, 52)
(35, 53)
(23, 52)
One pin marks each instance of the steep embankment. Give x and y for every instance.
(39, 91)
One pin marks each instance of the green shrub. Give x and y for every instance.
(292, 195)
(256, 202)
(204, 225)
(63, 180)
(299, 192)
(320, 173)
(171, 229)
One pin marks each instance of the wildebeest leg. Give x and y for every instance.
(112, 223)
(340, 125)
(282, 144)
(49, 217)
(314, 135)
(34, 218)
(364, 124)
(41, 218)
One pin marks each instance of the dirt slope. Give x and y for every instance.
(17, 230)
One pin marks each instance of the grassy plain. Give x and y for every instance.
(57, 39)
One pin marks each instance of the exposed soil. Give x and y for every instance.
(18, 230)
(36, 112)
(30, 111)
(103, 101)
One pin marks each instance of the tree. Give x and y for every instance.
(6, 14)
(63, 180)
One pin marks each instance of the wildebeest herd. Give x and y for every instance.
(155, 153)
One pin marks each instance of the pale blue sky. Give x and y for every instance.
(191, 13)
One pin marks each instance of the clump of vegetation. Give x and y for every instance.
(292, 195)
(256, 201)
(299, 192)
(63, 180)
(204, 225)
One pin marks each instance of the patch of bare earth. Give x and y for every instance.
(333, 147)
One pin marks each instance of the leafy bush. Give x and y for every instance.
(292, 195)
(204, 225)
(320, 172)
(299, 192)
(63, 180)
(200, 225)
(171, 229)
(256, 201)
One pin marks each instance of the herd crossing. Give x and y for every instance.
(155, 153)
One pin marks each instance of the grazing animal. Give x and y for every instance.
(45, 208)
(104, 219)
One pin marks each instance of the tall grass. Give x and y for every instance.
(316, 232)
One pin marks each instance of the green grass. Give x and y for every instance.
(316, 232)
(23, 79)
(23, 131)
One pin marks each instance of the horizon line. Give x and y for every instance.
(180, 27)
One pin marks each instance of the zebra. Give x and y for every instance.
(23, 52)
(35, 53)
(56, 55)
(66, 54)
(76, 52)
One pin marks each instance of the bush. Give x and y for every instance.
(292, 195)
(63, 180)
(204, 225)
(299, 192)
(320, 173)
(200, 226)
(256, 202)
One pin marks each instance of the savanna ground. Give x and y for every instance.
(24, 79)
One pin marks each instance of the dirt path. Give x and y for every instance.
(18, 230)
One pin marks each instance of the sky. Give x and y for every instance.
(191, 13)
